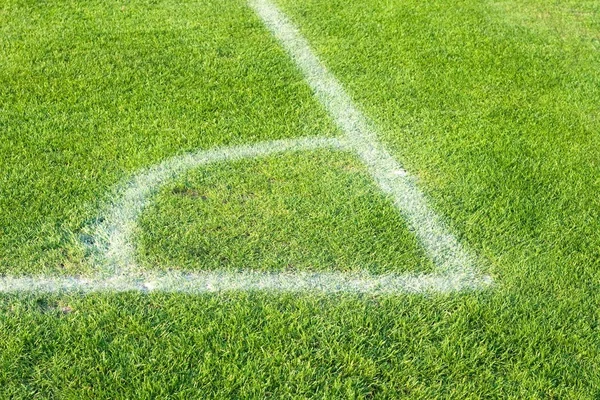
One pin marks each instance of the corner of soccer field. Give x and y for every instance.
(316, 199)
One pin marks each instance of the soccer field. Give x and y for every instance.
(316, 199)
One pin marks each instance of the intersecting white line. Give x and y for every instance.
(443, 247)
(117, 271)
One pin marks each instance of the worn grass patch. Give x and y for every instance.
(315, 211)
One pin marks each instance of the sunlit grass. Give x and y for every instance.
(493, 106)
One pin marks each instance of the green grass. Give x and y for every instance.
(254, 346)
(317, 211)
(492, 105)
(93, 92)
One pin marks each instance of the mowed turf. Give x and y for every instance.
(93, 92)
(492, 105)
(311, 211)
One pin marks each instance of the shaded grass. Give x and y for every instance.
(573, 21)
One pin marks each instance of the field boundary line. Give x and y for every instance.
(113, 250)
(225, 281)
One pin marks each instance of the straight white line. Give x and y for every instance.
(112, 241)
(223, 281)
(444, 249)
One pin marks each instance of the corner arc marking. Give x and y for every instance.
(113, 245)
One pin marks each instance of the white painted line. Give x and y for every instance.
(223, 281)
(445, 250)
(113, 237)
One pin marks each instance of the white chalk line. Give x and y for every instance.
(455, 267)
(113, 243)
(224, 281)
(119, 272)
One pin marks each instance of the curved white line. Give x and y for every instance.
(112, 239)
